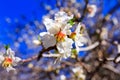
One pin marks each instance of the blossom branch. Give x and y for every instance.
(29, 59)
(51, 55)
(57, 55)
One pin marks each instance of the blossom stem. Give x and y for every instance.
(84, 11)
(89, 47)
(51, 55)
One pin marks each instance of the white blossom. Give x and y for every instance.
(62, 77)
(92, 9)
(8, 60)
(78, 71)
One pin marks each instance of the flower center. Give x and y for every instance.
(90, 10)
(73, 35)
(7, 62)
(60, 36)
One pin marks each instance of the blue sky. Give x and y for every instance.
(13, 9)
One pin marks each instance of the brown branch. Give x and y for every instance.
(29, 59)
(111, 68)
(84, 11)
(45, 50)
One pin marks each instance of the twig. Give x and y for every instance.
(108, 59)
(56, 55)
(111, 68)
(89, 47)
(45, 50)
(51, 55)
(29, 59)
(84, 11)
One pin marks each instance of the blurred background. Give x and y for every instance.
(21, 23)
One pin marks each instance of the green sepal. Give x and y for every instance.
(6, 46)
(71, 21)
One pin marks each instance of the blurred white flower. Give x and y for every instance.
(118, 47)
(92, 9)
(78, 71)
(104, 34)
(8, 60)
(62, 77)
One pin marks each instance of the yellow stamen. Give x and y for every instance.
(60, 36)
(7, 62)
(82, 29)
(73, 35)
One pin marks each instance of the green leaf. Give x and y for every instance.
(39, 38)
(71, 21)
(74, 51)
(6, 46)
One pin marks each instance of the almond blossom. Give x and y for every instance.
(59, 34)
(92, 9)
(79, 72)
(8, 60)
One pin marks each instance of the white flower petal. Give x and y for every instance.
(62, 17)
(51, 26)
(65, 47)
(80, 40)
(78, 28)
(48, 40)
(16, 60)
(1, 58)
(63, 77)
(10, 68)
(10, 52)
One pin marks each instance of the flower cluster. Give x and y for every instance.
(8, 60)
(60, 34)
